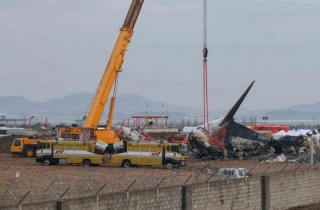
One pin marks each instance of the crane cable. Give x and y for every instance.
(204, 23)
(115, 86)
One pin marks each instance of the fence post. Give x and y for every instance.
(186, 197)
(62, 205)
(59, 205)
(265, 193)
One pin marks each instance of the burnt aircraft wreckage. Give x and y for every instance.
(221, 132)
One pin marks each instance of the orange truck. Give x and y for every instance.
(24, 147)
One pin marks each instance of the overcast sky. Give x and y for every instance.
(53, 48)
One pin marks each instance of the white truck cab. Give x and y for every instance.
(232, 173)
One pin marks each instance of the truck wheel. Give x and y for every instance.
(30, 153)
(47, 162)
(169, 165)
(86, 162)
(126, 163)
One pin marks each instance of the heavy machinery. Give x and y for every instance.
(24, 147)
(90, 130)
(67, 152)
(150, 154)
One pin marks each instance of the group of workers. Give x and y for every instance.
(295, 151)
(239, 150)
(300, 151)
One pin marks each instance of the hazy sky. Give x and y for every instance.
(53, 48)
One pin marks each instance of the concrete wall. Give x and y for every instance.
(228, 194)
(294, 189)
(163, 198)
(153, 199)
(50, 205)
(279, 191)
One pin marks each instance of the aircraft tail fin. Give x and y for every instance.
(235, 107)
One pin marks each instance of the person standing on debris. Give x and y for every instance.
(305, 143)
(315, 146)
(271, 150)
(293, 151)
(301, 152)
(150, 122)
(240, 152)
(309, 151)
(225, 153)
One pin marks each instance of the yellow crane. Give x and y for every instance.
(109, 79)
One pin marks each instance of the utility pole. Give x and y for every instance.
(311, 135)
(314, 122)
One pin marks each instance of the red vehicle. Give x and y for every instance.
(273, 128)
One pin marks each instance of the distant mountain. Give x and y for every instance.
(297, 112)
(305, 108)
(129, 103)
(75, 106)
(70, 105)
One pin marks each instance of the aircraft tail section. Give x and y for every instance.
(235, 108)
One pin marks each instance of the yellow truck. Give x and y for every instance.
(168, 155)
(68, 152)
(24, 147)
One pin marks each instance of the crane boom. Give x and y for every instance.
(113, 68)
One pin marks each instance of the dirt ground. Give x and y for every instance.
(70, 181)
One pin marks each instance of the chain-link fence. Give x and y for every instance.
(54, 183)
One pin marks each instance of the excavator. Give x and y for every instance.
(109, 80)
